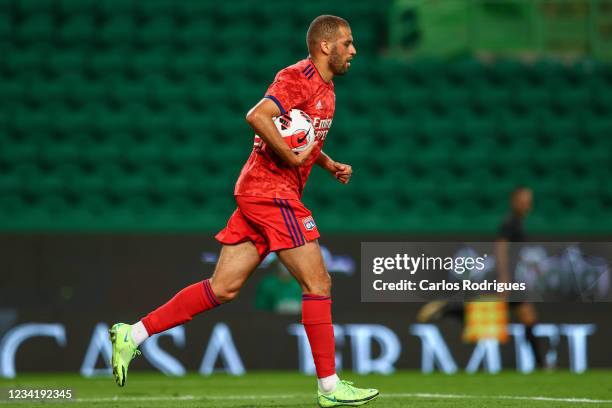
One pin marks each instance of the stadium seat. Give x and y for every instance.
(117, 30)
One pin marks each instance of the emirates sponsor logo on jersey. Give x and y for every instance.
(319, 123)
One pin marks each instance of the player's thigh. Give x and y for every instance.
(306, 264)
(236, 263)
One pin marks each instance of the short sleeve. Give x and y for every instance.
(289, 89)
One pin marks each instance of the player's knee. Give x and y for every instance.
(227, 295)
(224, 292)
(320, 285)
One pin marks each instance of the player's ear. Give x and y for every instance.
(325, 47)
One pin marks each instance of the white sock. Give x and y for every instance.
(328, 384)
(139, 333)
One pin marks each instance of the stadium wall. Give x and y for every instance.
(65, 290)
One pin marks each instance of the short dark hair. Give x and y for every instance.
(324, 27)
(518, 189)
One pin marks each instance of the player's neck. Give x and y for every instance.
(323, 68)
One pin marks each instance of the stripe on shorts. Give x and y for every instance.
(287, 223)
(295, 221)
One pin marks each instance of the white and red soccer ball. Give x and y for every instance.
(296, 129)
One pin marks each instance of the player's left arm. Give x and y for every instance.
(342, 172)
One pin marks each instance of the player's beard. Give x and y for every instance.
(336, 62)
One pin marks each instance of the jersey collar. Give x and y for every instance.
(330, 83)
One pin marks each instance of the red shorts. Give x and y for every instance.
(270, 223)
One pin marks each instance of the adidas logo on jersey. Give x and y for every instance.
(319, 105)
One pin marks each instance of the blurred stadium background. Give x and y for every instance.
(122, 133)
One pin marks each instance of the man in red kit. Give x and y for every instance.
(271, 217)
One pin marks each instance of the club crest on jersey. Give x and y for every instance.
(309, 223)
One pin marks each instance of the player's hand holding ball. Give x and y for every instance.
(301, 157)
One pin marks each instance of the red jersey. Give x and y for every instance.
(265, 174)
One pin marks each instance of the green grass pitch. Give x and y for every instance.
(290, 389)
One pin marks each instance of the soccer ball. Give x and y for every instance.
(296, 128)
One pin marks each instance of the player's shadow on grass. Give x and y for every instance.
(279, 405)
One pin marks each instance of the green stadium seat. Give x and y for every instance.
(13, 92)
(130, 185)
(192, 68)
(41, 91)
(6, 26)
(152, 9)
(602, 98)
(58, 152)
(111, 64)
(528, 96)
(600, 130)
(31, 123)
(167, 93)
(452, 97)
(157, 31)
(100, 153)
(79, 29)
(60, 63)
(143, 64)
(10, 184)
(410, 99)
(571, 97)
(28, 7)
(465, 72)
(11, 208)
(86, 184)
(193, 9)
(196, 34)
(497, 96)
(118, 30)
(71, 7)
(38, 29)
(26, 60)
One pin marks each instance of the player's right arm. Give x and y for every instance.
(260, 118)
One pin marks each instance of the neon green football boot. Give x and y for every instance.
(124, 350)
(347, 395)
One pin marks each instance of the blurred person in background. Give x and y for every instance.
(510, 230)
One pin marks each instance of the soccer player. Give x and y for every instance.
(271, 217)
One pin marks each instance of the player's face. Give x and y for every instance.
(523, 201)
(342, 52)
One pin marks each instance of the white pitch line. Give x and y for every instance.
(502, 397)
(288, 396)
